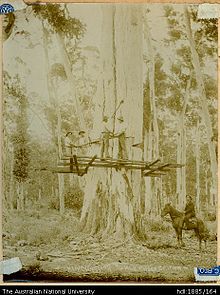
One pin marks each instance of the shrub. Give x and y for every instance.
(156, 224)
(74, 198)
(47, 229)
(210, 216)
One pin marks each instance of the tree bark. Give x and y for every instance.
(181, 151)
(112, 198)
(153, 184)
(71, 80)
(56, 130)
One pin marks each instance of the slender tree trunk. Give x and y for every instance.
(20, 196)
(148, 185)
(204, 105)
(181, 150)
(178, 172)
(71, 80)
(11, 183)
(197, 154)
(60, 152)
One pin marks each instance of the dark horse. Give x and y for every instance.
(177, 221)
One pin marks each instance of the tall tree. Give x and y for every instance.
(20, 142)
(203, 100)
(112, 198)
(61, 25)
(193, 56)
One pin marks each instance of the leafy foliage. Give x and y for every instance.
(59, 20)
(74, 198)
(20, 138)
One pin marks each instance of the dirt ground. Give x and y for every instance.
(52, 248)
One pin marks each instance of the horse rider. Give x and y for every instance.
(189, 211)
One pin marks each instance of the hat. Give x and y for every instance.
(105, 118)
(68, 133)
(121, 119)
(81, 132)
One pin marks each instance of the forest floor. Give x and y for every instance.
(52, 248)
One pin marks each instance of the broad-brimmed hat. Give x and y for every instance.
(121, 119)
(81, 132)
(105, 118)
(68, 133)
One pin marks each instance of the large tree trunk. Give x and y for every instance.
(204, 104)
(112, 198)
(56, 130)
(153, 185)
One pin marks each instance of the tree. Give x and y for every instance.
(192, 57)
(203, 101)
(151, 133)
(112, 198)
(20, 143)
(62, 25)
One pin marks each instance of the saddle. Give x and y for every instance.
(191, 223)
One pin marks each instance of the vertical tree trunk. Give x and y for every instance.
(197, 154)
(11, 183)
(181, 150)
(20, 196)
(112, 198)
(71, 80)
(60, 152)
(56, 132)
(178, 172)
(204, 105)
(155, 183)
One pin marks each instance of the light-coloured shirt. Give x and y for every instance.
(68, 142)
(106, 127)
(120, 128)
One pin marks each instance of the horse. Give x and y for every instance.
(177, 218)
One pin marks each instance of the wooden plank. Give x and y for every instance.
(118, 161)
(156, 169)
(105, 165)
(152, 175)
(154, 162)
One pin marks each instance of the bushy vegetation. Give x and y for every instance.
(74, 198)
(47, 229)
(155, 224)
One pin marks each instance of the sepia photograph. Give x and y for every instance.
(110, 142)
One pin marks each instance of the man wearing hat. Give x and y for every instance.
(106, 133)
(120, 133)
(68, 143)
(82, 142)
(189, 211)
